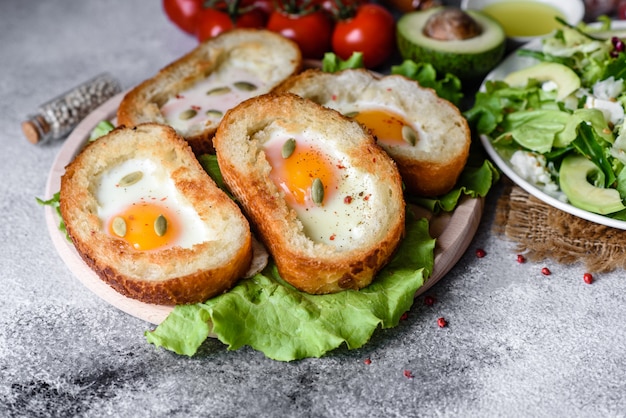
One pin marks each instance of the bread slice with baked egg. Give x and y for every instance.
(323, 197)
(192, 93)
(427, 136)
(146, 217)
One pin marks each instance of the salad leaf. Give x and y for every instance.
(269, 315)
(102, 128)
(499, 100)
(332, 63)
(535, 129)
(210, 165)
(447, 87)
(474, 181)
(587, 144)
(55, 203)
(592, 116)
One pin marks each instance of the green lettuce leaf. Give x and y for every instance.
(474, 181)
(447, 87)
(269, 315)
(55, 203)
(331, 63)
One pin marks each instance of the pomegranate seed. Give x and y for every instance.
(408, 374)
(442, 322)
(480, 253)
(429, 301)
(367, 361)
(521, 259)
(588, 278)
(546, 271)
(404, 316)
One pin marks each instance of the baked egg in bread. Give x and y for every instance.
(193, 93)
(427, 136)
(147, 218)
(324, 198)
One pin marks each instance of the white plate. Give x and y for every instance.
(453, 231)
(512, 63)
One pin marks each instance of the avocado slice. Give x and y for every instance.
(573, 174)
(566, 80)
(469, 57)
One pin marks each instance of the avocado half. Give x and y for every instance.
(469, 58)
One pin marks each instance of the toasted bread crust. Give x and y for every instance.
(168, 276)
(430, 169)
(269, 55)
(310, 266)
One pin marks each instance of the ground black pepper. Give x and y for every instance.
(57, 117)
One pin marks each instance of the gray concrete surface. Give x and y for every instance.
(518, 343)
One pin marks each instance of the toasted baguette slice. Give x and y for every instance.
(432, 166)
(246, 61)
(362, 206)
(214, 247)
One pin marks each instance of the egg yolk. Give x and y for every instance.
(386, 126)
(140, 229)
(296, 174)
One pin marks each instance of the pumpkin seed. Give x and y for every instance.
(160, 225)
(351, 114)
(187, 114)
(244, 85)
(288, 148)
(131, 178)
(409, 135)
(317, 191)
(215, 113)
(218, 91)
(119, 226)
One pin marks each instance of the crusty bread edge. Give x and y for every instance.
(271, 218)
(191, 288)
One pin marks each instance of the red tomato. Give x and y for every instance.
(212, 22)
(335, 7)
(266, 6)
(312, 31)
(621, 10)
(183, 13)
(371, 31)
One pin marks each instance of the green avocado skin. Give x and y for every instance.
(465, 66)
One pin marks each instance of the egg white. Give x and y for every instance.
(337, 223)
(196, 97)
(155, 186)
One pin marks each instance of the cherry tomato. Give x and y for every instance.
(312, 31)
(370, 31)
(335, 7)
(621, 9)
(266, 6)
(212, 22)
(183, 13)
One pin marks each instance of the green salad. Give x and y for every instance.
(560, 121)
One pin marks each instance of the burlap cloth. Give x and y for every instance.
(543, 232)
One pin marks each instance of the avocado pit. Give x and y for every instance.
(451, 24)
